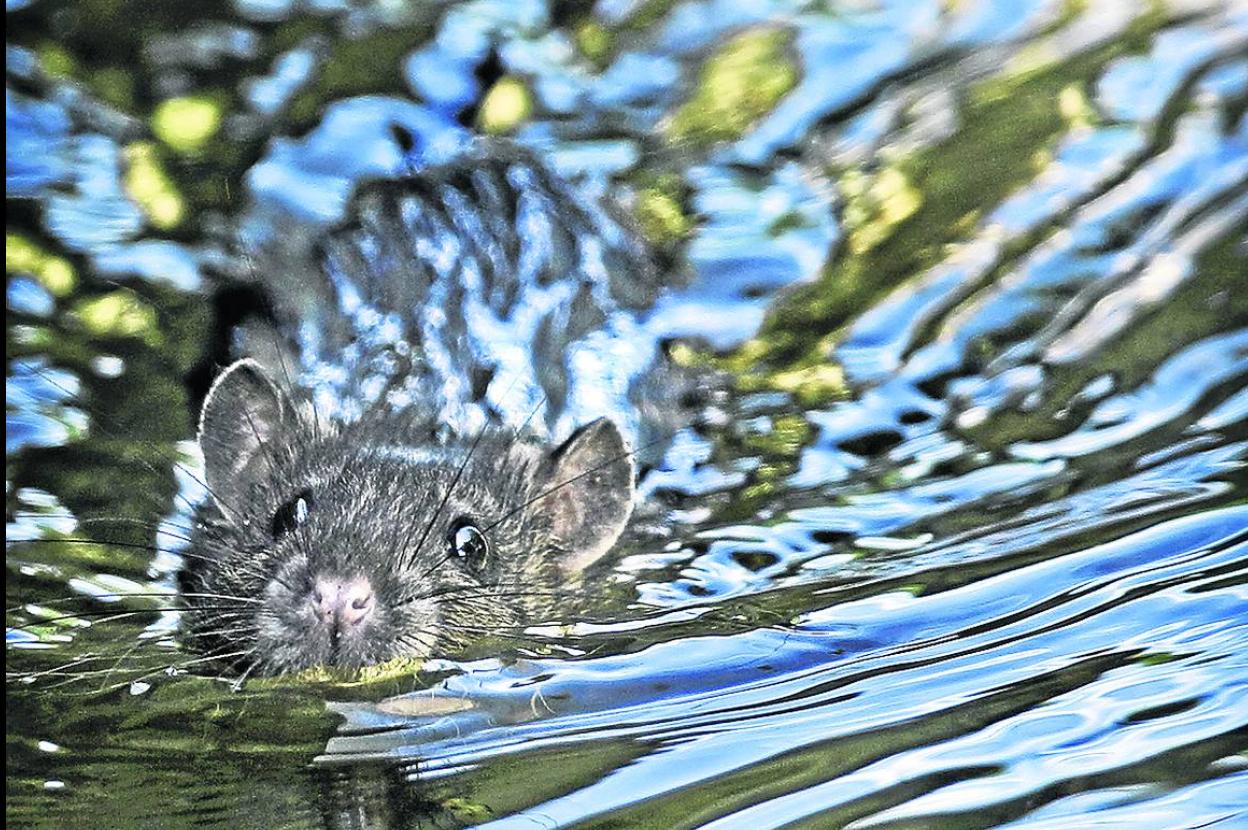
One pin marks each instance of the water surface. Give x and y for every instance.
(964, 543)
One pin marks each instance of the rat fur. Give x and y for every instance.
(351, 544)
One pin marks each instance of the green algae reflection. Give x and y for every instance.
(737, 85)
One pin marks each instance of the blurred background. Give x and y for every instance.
(965, 545)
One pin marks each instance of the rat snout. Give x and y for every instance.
(343, 603)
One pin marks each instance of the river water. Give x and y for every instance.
(964, 543)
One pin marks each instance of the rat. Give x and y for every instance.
(401, 512)
(348, 545)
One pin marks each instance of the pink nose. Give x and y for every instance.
(341, 603)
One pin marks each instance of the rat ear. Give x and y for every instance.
(591, 479)
(243, 415)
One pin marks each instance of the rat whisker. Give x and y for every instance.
(56, 671)
(208, 633)
(159, 525)
(238, 684)
(89, 617)
(514, 635)
(172, 595)
(211, 595)
(450, 489)
(93, 616)
(164, 669)
(550, 491)
(488, 594)
(124, 656)
(260, 441)
(541, 401)
(280, 352)
(53, 540)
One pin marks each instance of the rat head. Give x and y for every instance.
(355, 544)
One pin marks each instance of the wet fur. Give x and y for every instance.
(379, 487)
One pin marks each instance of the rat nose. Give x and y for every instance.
(343, 603)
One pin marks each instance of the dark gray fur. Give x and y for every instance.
(384, 495)
(493, 235)
(390, 321)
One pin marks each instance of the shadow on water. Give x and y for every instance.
(963, 544)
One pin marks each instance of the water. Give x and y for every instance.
(966, 545)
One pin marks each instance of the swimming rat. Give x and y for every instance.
(372, 525)
(351, 544)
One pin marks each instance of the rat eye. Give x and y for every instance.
(291, 514)
(467, 542)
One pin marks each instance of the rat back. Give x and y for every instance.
(483, 289)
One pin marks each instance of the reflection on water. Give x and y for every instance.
(964, 545)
